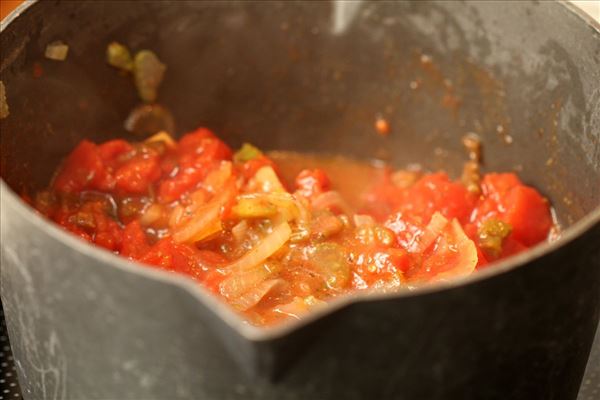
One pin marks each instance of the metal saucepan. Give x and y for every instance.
(309, 76)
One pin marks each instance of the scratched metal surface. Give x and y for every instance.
(10, 390)
(590, 386)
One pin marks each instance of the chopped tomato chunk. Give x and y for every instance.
(312, 182)
(528, 213)
(134, 241)
(436, 192)
(250, 167)
(112, 149)
(83, 169)
(136, 175)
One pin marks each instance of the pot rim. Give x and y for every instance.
(262, 334)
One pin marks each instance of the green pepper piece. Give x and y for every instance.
(330, 260)
(253, 208)
(148, 73)
(119, 56)
(246, 153)
(492, 234)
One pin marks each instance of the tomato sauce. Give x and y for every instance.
(277, 235)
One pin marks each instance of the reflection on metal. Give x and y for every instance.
(344, 12)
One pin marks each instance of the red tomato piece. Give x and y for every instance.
(407, 228)
(136, 175)
(495, 185)
(507, 198)
(169, 165)
(160, 254)
(528, 213)
(436, 192)
(173, 188)
(82, 169)
(108, 233)
(217, 150)
(383, 198)
(482, 260)
(212, 279)
(203, 141)
(209, 261)
(381, 265)
(249, 168)
(494, 188)
(134, 243)
(311, 182)
(192, 140)
(177, 257)
(113, 148)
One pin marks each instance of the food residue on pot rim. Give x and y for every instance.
(382, 126)
(57, 51)
(4, 111)
(147, 69)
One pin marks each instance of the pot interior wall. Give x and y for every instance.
(313, 77)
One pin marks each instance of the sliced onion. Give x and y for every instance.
(256, 294)
(304, 215)
(239, 231)
(163, 137)
(331, 200)
(432, 231)
(325, 225)
(240, 282)
(205, 221)
(197, 199)
(299, 306)
(263, 250)
(330, 261)
(253, 207)
(266, 205)
(176, 216)
(215, 179)
(465, 260)
(151, 214)
(57, 51)
(266, 180)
